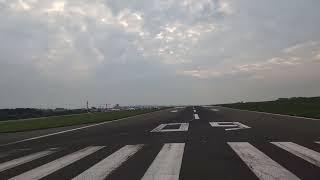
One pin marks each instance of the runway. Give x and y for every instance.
(179, 143)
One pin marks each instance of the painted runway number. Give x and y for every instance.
(171, 127)
(230, 126)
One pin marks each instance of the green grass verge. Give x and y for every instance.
(304, 107)
(60, 121)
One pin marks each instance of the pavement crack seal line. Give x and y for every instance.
(75, 129)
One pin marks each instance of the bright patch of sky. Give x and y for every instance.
(60, 53)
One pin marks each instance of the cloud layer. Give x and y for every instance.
(64, 52)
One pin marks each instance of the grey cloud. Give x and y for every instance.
(62, 52)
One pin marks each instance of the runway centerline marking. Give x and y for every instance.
(106, 166)
(167, 164)
(259, 163)
(307, 154)
(196, 116)
(55, 165)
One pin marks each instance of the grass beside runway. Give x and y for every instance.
(301, 106)
(60, 121)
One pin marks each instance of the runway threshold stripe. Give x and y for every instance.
(196, 116)
(259, 163)
(24, 159)
(55, 165)
(300, 151)
(105, 167)
(167, 164)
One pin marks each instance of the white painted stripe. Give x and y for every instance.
(55, 165)
(283, 115)
(182, 127)
(22, 160)
(300, 151)
(167, 164)
(215, 110)
(260, 164)
(239, 126)
(75, 129)
(196, 116)
(179, 107)
(318, 142)
(105, 167)
(159, 128)
(174, 111)
(194, 111)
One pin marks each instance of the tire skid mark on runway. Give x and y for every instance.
(300, 151)
(260, 164)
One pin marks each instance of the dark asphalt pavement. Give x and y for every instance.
(221, 144)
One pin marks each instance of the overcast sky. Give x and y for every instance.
(60, 53)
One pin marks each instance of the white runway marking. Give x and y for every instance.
(105, 167)
(215, 110)
(194, 111)
(179, 107)
(70, 130)
(283, 115)
(55, 165)
(182, 127)
(196, 116)
(260, 164)
(167, 164)
(22, 160)
(174, 111)
(300, 151)
(318, 142)
(232, 125)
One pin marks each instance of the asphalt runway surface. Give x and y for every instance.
(180, 143)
